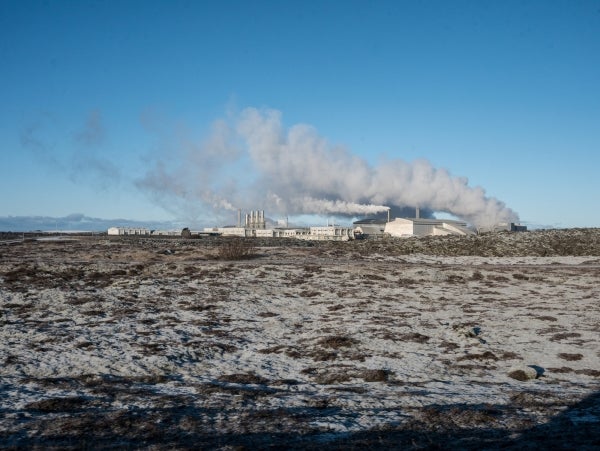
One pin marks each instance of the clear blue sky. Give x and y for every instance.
(504, 93)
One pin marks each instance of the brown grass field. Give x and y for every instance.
(485, 342)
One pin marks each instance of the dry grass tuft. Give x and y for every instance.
(243, 378)
(67, 404)
(588, 372)
(414, 337)
(477, 276)
(321, 355)
(309, 293)
(487, 355)
(522, 375)
(564, 336)
(570, 357)
(546, 318)
(236, 249)
(373, 277)
(459, 416)
(375, 375)
(337, 341)
(561, 370)
(332, 378)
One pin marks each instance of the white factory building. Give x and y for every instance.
(141, 231)
(128, 231)
(329, 233)
(407, 227)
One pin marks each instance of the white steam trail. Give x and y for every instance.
(325, 206)
(257, 162)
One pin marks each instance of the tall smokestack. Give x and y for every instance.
(417, 213)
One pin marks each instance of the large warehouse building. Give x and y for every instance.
(407, 227)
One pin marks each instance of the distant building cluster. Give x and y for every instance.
(255, 226)
(141, 231)
(326, 233)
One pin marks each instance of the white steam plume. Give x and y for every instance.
(325, 206)
(296, 171)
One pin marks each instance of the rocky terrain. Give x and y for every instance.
(490, 341)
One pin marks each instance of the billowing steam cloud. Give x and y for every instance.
(255, 162)
(87, 162)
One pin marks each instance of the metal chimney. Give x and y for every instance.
(417, 213)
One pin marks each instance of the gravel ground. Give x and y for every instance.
(482, 342)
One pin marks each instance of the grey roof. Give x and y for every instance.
(370, 221)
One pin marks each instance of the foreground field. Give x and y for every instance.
(142, 343)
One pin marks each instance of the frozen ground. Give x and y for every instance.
(155, 343)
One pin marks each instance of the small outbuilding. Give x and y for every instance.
(370, 227)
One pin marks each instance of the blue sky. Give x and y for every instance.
(96, 95)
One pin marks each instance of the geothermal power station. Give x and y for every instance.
(255, 226)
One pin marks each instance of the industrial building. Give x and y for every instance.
(254, 220)
(165, 233)
(141, 231)
(255, 226)
(510, 227)
(128, 231)
(407, 227)
(370, 227)
(329, 233)
(227, 231)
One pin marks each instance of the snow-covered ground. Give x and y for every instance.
(136, 343)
